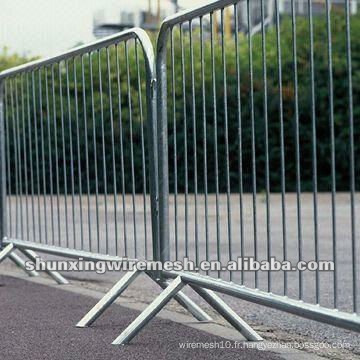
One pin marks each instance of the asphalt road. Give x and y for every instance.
(77, 233)
(36, 323)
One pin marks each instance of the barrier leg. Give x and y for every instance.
(230, 315)
(21, 264)
(33, 256)
(6, 251)
(108, 299)
(135, 327)
(194, 309)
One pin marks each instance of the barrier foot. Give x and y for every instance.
(227, 313)
(33, 256)
(135, 327)
(194, 309)
(21, 264)
(108, 299)
(6, 251)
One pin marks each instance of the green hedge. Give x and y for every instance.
(341, 104)
(341, 117)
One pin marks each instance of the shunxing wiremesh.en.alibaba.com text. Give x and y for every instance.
(240, 264)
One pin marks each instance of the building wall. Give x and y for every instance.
(124, 13)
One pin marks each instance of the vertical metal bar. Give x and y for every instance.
(31, 156)
(36, 154)
(25, 158)
(143, 160)
(112, 145)
(131, 146)
(185, 142)
(123, 190)
(173, 91)
(228, 189)
(194, 140)
(267, 169)
(86, 148)
(7, 153)
(332, 141)
(238, 94)
(56, 152)
(282, 145)
(50, 155)
(153, 141)
(203, 93)
(3, 217)
(253, 151)
(43, 155)
(8, 134)
(355, 282)
(95, 152)
(72, 174)
(161, 244)
(15, 157)
(314, 148)
(213, 80)
(103, 153)
(78, 155)
(18, 142)
(63, 154)
(297, 146)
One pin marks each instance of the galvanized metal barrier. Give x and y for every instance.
(72, 125)
(218, 127)
(218, 130)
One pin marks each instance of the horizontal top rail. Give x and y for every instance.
(190, 14)
(134, 33)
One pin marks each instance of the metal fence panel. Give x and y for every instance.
(242, 145)
(256, 156)
(80, 144)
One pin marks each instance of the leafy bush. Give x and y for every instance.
(184, 110)
(322, 108)
(8, 60)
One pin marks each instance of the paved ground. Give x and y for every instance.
(36, 323)
(275, 324)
